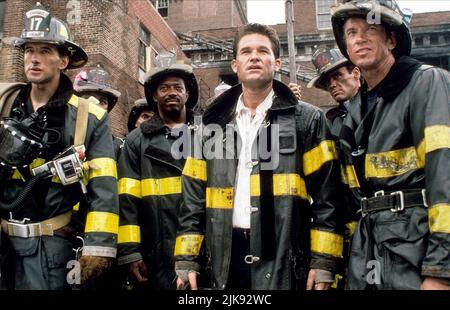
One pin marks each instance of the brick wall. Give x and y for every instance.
(109, 33)
(192, 15)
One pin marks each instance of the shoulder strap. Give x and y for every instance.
(8, 93)
(82, 121)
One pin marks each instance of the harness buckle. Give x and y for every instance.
(401, 205)
(250, 259)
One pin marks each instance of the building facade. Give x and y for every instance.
(209, 45)
(123, 37)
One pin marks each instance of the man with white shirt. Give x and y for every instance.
(266, 204)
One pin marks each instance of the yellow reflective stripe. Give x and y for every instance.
(130, 187)
(439, 218)
(164, 186)
(188, 244)
(195, 168)
(392, 163)
(343, 175)
(104, 167)
(421, 154)
(437, 137)
(352, 179)
(315, 158)
(76, 207)
(102, 222)
(351, 226)
(16, 175)
(94, 109)
(326, 243)
(289, 184)
(129, 233)
(36, 163)
(220, 198)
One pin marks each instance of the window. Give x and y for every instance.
(418, 41)
(434, 39)
(163, 7)
(323, 13)
(2, 14)
(144, 52)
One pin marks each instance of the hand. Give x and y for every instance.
(296, 89)
(93, 267)
(138, 271)
(192, 276)
(431, 283)
(312, 285)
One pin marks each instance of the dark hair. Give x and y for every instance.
(259, 29)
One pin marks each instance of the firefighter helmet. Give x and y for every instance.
(155, 75)
(139, 106)
(388, 13)
(326, 61)
(96, 81)
(42, 27)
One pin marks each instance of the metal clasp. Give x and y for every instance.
(379, 193)
(401, 206)
(250, 259)
(424, 197)
(363, 205)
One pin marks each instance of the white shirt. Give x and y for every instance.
(248, 129)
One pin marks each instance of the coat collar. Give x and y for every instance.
(222, 109)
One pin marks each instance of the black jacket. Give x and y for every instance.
(289, 233)
(150, 199)
(402, 144)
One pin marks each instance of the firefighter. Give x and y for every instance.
(252, 212)
(342, 79)
(397, 153)
(338, 76)
(140, 112)
(37, 139)
(150, 179)
(95, 84)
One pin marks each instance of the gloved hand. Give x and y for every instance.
(93, 267)
(138, 271)
(187, 272)
(319, 280)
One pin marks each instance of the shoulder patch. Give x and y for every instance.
(94, 109)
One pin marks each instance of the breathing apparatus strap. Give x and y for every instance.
(82, 121)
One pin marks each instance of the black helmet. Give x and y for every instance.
(326, 61)
(155, 75)
(42, 27)
(139, 106)
(96, 80)
(390, 14)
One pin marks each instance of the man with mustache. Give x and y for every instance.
(37, 222)
(150, 179)
(267, 212)
(396, 153)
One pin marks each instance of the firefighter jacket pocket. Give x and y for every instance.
(25, 246)
(404, 235)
